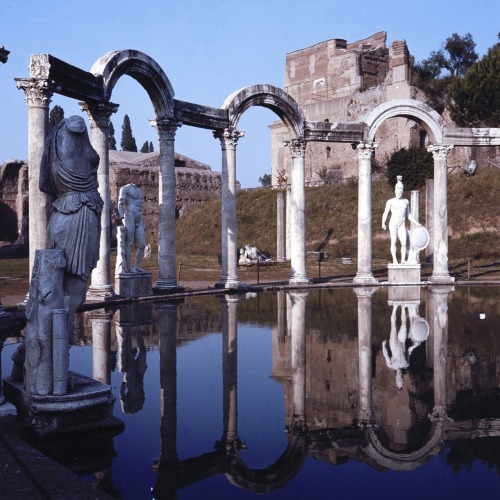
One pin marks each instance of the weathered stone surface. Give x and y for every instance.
(195, 183)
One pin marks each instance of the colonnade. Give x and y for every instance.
(440, 274)
(95, 90)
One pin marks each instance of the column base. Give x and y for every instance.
(167, 285)
(299, 279)
(365, 279)
(99, 293)
(441, 279)
(230, 284)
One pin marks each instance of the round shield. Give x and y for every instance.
(419, 238)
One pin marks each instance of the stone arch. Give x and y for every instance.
(270, 97)
(409, 108)
(276, 475)
(405, 461)
(144, 69)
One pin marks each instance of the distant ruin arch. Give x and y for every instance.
(113, 65)
(416, 110)
(267, 96)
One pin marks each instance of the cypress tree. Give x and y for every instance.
(111, 137)
(128, 140)
(56, 116)
(145, 147)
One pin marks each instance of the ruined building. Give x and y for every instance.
(336, 81)
(195, 183)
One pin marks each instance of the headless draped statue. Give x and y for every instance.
(69, 174)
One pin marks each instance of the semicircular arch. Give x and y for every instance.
(405, 461)
(268, 96)
(408, 108)
(113, 65)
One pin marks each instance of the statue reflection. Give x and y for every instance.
(132, 360)
(412, 329)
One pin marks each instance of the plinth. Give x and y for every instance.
(404, 273)
(134, 284)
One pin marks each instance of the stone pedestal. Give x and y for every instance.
(134, 284)
(404, 273)
(89, 405)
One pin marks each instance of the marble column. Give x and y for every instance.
(429, 219)
(297, 213)
(440, 349)
(38, 94)
(364, 274)
(287, 222)
(101, 345)
(230, 442)
(99, 115)
(167, 253)
(280, 227)
(229, 273)
(298, 361)
(167, 326)
(440, 272)
(364, 295)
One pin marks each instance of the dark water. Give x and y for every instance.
(388, 393)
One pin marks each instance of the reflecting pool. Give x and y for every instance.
(329, 393)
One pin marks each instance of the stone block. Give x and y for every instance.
(134, 284)
(404, 273)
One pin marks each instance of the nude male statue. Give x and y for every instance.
(130, 203)
(399, 209)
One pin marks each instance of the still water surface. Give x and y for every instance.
(335, 393)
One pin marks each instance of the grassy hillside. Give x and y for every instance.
(473, 217)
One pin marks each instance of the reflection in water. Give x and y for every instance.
(335, 366)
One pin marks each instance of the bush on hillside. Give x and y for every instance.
(415, 164)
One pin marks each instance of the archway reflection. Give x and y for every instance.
(388, 377)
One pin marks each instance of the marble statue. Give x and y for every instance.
(251, 255)
(69, 174)
(130, 209)
(398, 207)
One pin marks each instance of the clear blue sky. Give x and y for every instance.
(208, 49)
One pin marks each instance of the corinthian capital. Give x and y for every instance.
(37, 93)
(366, 149)
(297, 147)
(228, 137)
(99, 113)
(440, 151)
(166, 127)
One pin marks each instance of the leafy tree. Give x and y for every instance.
(456, 57)
(474, 100)
(145, 147)
(128, 140)
(111, 137)
(415, 164)
(151, 148)
(56, 116)
(265, 180)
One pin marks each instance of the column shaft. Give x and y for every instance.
(229, 275)
(364, 274)
(440, 272)
(38, 93)
(298, 213)
(99, 114)
(167, 263)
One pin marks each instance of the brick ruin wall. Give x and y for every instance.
(193, 186)
(337, 81)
